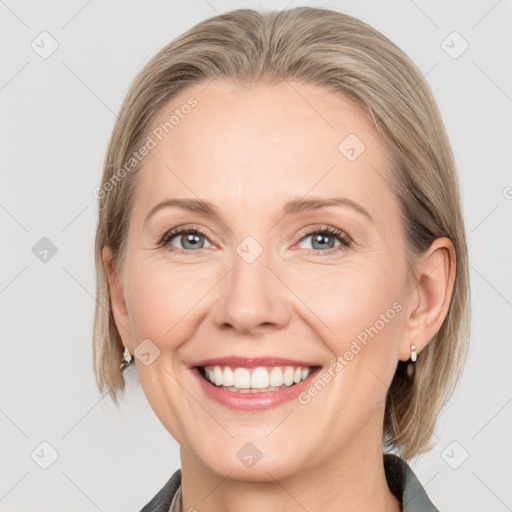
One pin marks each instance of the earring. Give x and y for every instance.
(410, 366)
(127, 359)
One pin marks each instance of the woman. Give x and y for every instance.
(281, 252)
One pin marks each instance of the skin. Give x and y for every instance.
(250, 150)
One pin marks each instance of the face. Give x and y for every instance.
(298, 260)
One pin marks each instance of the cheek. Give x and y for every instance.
(343, 301)
(163, 299)
(350, 296)
(358, 312)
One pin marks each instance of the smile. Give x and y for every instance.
(253, 389)
(254, 380)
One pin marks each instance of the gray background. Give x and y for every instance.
(57, 115)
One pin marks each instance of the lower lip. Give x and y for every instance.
(252, 401)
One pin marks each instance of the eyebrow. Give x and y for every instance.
(291, 208)
(302, 205)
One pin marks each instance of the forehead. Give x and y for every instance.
(262, 145)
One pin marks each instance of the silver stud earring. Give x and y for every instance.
(127, 359)
(410, 366)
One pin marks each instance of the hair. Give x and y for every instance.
(344, 55)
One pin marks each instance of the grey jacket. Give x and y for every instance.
(402, 482)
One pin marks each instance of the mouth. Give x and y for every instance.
(260, 379)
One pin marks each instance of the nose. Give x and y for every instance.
(251, 297)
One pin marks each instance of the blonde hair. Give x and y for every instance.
(343, 54)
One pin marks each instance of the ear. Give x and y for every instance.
(430, 299)
(117, 301)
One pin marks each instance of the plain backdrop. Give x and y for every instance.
(57, 113)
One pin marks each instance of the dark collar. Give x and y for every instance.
(401, 479)
(162, 501)
(404, 484)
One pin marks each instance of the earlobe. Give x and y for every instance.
(431, 297)
(117, 300)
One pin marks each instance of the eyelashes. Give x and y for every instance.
(320, 232)
(332, 232)
(166, 240)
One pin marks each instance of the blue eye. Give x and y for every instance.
(324, 239)
(192, 240)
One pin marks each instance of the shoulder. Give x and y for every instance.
(405, 485)
(161, 502)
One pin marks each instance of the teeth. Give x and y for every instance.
(217, 374)
(228, 378)
(242, 378)
(247, 380)
(260, 378)
(288, 376)
(276, 377)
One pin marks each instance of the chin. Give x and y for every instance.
(258, 461)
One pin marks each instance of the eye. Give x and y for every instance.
(190, 239)
(323, 240)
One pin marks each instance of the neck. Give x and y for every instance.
(352, 480)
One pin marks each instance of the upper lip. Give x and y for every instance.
(252, 362)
